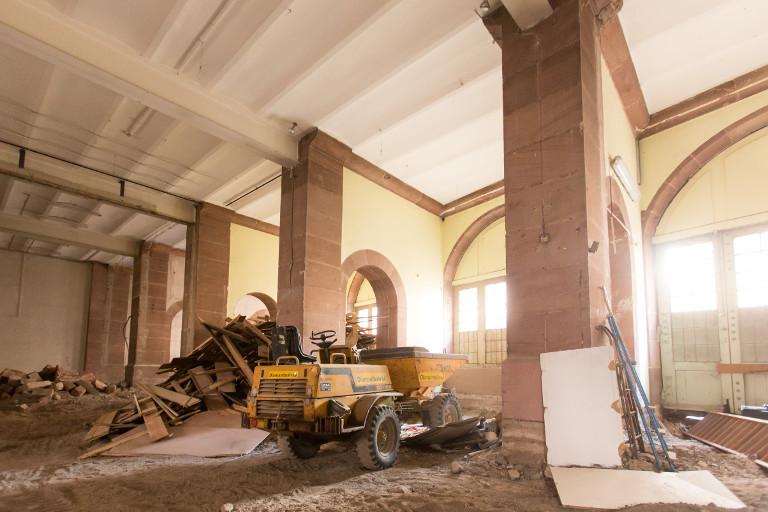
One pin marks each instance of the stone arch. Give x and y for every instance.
(268, 301)
(454, 258)
(354, 290)
(621, 263)
(388, 288)
(672, 186)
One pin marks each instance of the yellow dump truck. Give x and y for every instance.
(361, 396)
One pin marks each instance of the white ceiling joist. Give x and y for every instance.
(528, 13)
(96, 186)
(40, 31)
(60, 234)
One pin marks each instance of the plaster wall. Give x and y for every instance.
(253, 261)
(411, 238)
(619, 140)
(44, 311)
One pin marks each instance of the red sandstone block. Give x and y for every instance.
(521, 389)
(522, 127)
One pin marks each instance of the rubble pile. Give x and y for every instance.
(50, 383)
(217, 375)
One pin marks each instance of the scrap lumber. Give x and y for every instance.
(741, 435)
(216, 375)
(181, 399)
(101, 427)
(132, 434)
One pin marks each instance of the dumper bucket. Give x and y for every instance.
(414, 370)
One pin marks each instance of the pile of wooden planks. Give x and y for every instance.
(216, 375)
(50, 383)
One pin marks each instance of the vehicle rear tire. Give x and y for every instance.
(378, 444)
(298, 447)
(444, 408)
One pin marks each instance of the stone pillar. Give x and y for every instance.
(206, 273)
(150, 337)
(556, 224)
(310, 294)
(108, 321)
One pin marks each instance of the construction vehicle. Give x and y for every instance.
(348, 393)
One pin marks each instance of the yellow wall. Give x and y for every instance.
(486, 258)
(455, 225)
(410, 238)
(619, 139)
(729, 192)
(661, 153)
(252, 264)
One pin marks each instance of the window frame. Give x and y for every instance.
(481, 318)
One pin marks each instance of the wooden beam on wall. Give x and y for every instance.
(258, 225)
(473, 199)
(712, 99)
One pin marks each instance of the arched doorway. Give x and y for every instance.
(256, 305)
(176, 313)
(388, 289)
(620, 252)
(689, 167)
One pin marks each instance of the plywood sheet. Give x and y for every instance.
(610, 489)
(208, 434)
(582, 421)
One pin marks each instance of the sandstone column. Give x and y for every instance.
(309, 293)
(556, 223)
(206, 273)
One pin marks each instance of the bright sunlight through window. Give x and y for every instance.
(468, 310)
(496, 306)
(691, 277)
(751, 254)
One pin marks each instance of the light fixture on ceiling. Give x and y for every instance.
(484, 8)
(292, 129)
(621, 171)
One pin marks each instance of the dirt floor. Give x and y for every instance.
(39, 471)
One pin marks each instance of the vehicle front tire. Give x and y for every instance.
(298, 447)
(378, 444)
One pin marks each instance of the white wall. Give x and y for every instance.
(43, 311)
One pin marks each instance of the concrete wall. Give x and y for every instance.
(253, 259)
(411, 238)
(43, 311)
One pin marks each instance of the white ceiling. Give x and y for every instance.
(414, 86)
(683, 47)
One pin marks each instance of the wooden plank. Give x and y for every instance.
(202, 380)
(220, 385)
(258, 333)
(154, 423)
(181, 399)
(742, 367)
(158, 401)
(224, 373)
(136, 433)
(176, 386)
(238, 360)
(101, 427)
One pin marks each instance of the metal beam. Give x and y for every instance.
(40, 31)
(65, 235)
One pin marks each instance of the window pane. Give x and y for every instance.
(691, 276)
(362, 318)
(374, 319)
(496, 306)
(751, 261)
(468, 309)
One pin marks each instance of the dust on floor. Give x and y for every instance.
(39, 471)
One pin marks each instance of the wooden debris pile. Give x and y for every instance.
(50, 383)
(216, 375)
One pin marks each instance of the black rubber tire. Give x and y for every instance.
(444, 408)
(378, 444)
(298, 447)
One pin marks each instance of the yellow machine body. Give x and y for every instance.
(315, 398)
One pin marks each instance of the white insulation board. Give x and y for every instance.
(579, 390)
(613, 489)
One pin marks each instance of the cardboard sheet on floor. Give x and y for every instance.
(208, 434)
(582, 423)
(611, 489)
